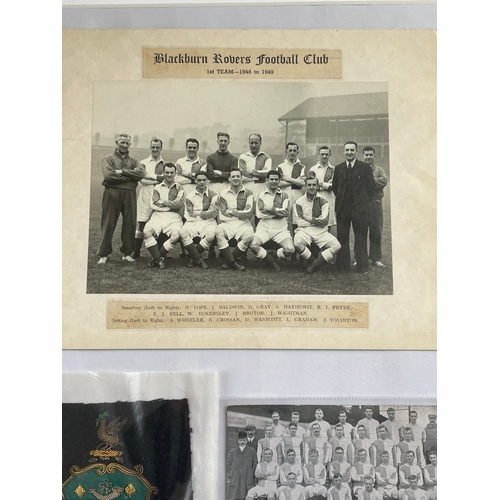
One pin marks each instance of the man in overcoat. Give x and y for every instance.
(241, 464)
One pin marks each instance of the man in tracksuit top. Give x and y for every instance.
(121, 174)
(167, 202)
(220, 164)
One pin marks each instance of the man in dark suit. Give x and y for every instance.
(251, 439)
(353, 186)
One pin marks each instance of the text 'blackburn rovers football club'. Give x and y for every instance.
(162, 62)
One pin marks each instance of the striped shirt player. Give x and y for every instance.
(189, 165)
(153, 166)
(318, 443)
(167, 202)
(340, 466)
(380, 445)
(255, 164)
(286, 468)
(201, 209)
(387, 477)
(360, 443)
(339, 490)
(430, 476)
(409, 469)
(368, 492)
(235, 211)
(272, 208)
(311, 216)
(339, 440)
(413, 492)
(323, 171)
(293, 174)
(292, 442)
(314, 476)
(408, 445)
(220, 164)
(267, 473)
(359, 470)
(272, 443)
(293, 491)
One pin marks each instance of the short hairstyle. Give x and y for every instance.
(295, 413)
(324, 147)
(155, 139)
(390, 409)
(192, 139)
(290, 450)
(412, 477)
(433, 453)
(342, 411)
(257, 135)
(369, 408)
(266, 449)
(278, 173)
(410, 451)
(385, 452)
(414, 411)
(169, 165)
(361, 427)
(339, 426)
(339, 448)
(202, 172)
(406, 429)
(294, 424)
(274, 412)
(288, 144)
(369, 148)
(270, 425)
(313, 452)
(223, 134)
(316, 180)
(351, 142)
(361, 449)
(235, 169)
(382, 427)
(369, 478)
(291, 474)
(337, 475)
(124, 136)
(315, 424)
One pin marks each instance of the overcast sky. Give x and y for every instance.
(165, 105)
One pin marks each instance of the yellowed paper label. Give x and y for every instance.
(203, 62)
(255, 314)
